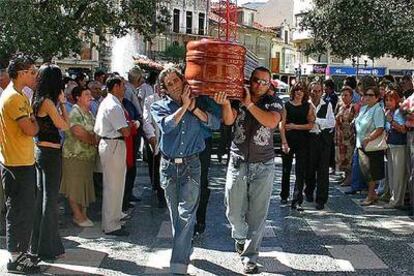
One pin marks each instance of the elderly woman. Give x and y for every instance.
(49, 109)
(344, 134)
(397, 152)
(79, 153)
(297, 119)
(180, 122)
(370, 141)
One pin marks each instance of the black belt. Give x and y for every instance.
(115, 138)
(410, 128)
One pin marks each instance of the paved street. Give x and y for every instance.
(343, 239)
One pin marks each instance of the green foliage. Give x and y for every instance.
(52, 28)
(175, 52)
(349, 28)
(141, 16)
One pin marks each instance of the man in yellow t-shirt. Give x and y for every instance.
(17, 128)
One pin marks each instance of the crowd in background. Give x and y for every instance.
(65, 133)
(365, 132)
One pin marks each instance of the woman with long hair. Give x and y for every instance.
(297, 119)
(50, 112)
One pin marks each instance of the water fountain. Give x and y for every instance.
(123, 51)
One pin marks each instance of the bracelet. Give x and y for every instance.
(249, 106)
(192, 110)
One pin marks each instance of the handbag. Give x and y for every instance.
(378, 144)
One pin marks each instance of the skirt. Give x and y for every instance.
(372, 165)
(77, 180)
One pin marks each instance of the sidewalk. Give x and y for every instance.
(343, 239)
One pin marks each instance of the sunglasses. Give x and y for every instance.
(260, 81)
(369, 95)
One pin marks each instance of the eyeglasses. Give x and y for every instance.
(260, 81)
(369, 95)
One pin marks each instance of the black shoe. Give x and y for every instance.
(134, 199)
(309, 198)
(283, 201)
(120, 233)
(250, 268)
(23, 265)
(320, 206)
(199, 228)
(299, 208)
(239, 247)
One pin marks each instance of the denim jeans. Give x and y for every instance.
(247, 196)
(181, 183)
(19, 191)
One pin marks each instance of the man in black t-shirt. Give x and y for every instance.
(251, 170)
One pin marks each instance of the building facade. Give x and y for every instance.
(189, 21)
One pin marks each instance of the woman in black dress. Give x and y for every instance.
(297, 119)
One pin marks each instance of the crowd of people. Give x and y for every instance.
(81, 139)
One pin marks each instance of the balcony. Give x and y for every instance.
(300, 36)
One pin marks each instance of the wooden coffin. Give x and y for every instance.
(215, 66)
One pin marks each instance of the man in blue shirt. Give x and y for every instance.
(180, 122)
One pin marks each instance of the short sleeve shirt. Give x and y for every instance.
(369, 119)
(16, 148)
(73, 147)
(110, 118)
(251, 140)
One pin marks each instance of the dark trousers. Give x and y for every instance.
(299, 150)
(131, 173)
(154, 171)
(205, 159)
(2, 210)
(317, 175)
(46, 241)
(19, 191)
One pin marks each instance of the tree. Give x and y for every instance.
(57, 28)
(351, 28)
(175, 52)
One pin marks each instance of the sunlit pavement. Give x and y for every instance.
(343, 239)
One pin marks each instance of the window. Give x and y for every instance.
(176, 21)
(201, 18)
(240, 18)
(251, 19)
(287, 37)
(189, 23)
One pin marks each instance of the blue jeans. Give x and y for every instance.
(247, 196)
(181, 183)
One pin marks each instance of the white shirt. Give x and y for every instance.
(323, 123)
(1, 91)
(150, 128)
(110, 118)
